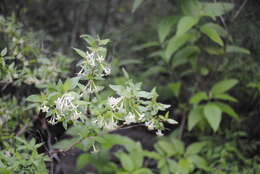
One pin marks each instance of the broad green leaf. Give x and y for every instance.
(195, 148)
(167, 147)
(236, 49)
(126, 161)
(174, 44)
(223, 86)
(228, 110)
(80, 52)
(191, 7)
(198, 97)
(165, 27)
(136, 4)
(185, 166)
(215, 9)
(83, 160)
(195, 115)
(67, 85)
(212, 34)
(212, 113)
(218, 28)
(143, 171)
(178, 145)
(225, 97)
(67, 143)
(185, 24)
(199, 161)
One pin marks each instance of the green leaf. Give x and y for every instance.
(228, 110)
(67, 143)
(198, 97)
(223, 86)
(174, 44)
(167, 147)
(126, 161)
(236, 49)
(137, 3)
(80, 52)
(178, 145)
(185, 24)
(198, 161)
(3, 52)
(218, 28)
(213, 115)
(165, 27)
(146, 45)
(195, 115)
(212, 34)
(225, 97)
(183, 55)
(34, 98)
(175, 88)
(190, 7)
(143, 171)
(67, 85)
(215, 9)
(195, 148)
(83, 160)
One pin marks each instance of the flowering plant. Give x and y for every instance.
(80, 100)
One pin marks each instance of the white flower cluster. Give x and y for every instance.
(114, 102)
(94, 59)
(64, 104)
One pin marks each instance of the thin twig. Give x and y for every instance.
(239, 10)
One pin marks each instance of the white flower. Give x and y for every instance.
(91, 58)
(113, 102)
(75, 115)
(107, 70)
(141, 117)
(130, 118)
(64, 103)
(110, 125)
(149, 125)
(45, 108)
(159, 133)
(100, 59)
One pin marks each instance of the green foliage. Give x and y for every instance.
(23, 158)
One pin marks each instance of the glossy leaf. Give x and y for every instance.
(198, 97)
(165, 27)
(195, 115)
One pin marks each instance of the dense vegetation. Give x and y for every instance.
(129, 87)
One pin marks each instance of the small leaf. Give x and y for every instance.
(212, 34)
(165, 27)
(80, 52)
(236, 49)
(198, 97)
(171, 121)
(3, 52)
(137, 3)
(34, 98)
(223, 86)
(195, 115)
(213, 115)
(185, 24)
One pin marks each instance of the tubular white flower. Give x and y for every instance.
(91, 58)
(64, 103)
(44, 108)
(100, 58)
(149, 125)
(107, 70)
(130, 118)
(113, 102)
(159, 133)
